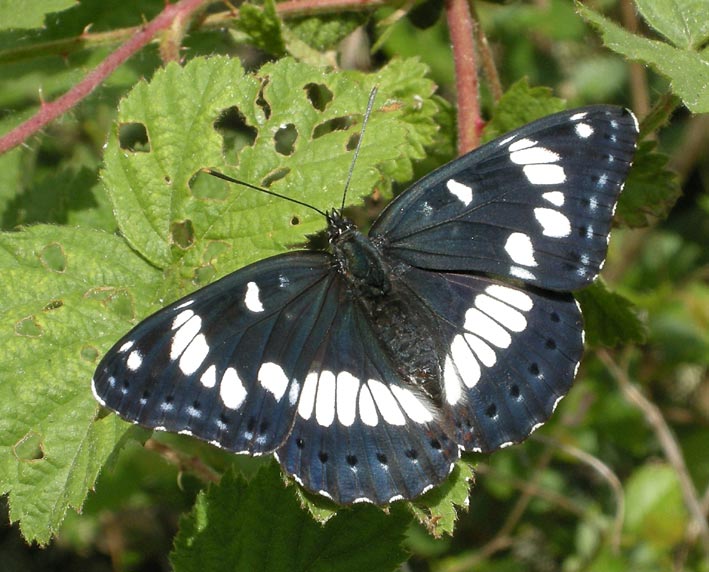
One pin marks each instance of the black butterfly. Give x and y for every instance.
(367, 369)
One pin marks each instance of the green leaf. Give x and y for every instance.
(519, 105)
(153, 192)
(688, 71)
(259, 526)
(29, 13)
(650, 190)
(609, 318)
(324, 32)
(438, 509)
(685, 23)
(52, 336)
(655, 511)
(263, 26)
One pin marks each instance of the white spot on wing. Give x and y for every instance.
(578, 116)
(553, 223)
(463, 192)
(325, 399)
(513, 297)
(134, 361)
(521, 144)
(544, 174)
(251, 299)
(181, 318)
(231, 389)
(534, 156)
(184, 335)
(293, 392)
(209, 377)
(584, 130)
(464, 361)
(519, 247)
(500, 312)
(194, 355)
(482, 325)
(521, 273)
(386, 403)
(125, 347)
(367, 411)
(307, 396)
(554, 197)
(273, 379)
(96, 395)
(483, 351)
(451, 382)
(412, 405)
(347, 388)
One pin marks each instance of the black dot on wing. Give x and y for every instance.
(196, 405)
(550, 344)
(382, 458)
(263, 427)
(514, 391)
(411, 454)
(436, 444)
(250, 424)
(583, 231)
(554, 317)
(169, 399)
(126, 384)
(351, 460)
(491, 410)
(534, 369)
(299, 443)
(323, 456)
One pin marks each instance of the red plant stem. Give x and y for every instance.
(50, 111)
(460, 25)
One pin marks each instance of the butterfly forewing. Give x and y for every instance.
(534, 205)
(223, 364)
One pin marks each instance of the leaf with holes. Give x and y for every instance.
(85, 286)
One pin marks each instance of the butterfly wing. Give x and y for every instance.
(226, 362)
(361, 434)
(534, 205)
(509, 353)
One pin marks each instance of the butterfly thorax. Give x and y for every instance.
(405, 331)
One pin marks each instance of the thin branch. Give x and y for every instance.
(487, 60)
(184, 463)
(638, 75)
(606, 474)
(460, 26)
(668, 443)
(50, 111)
(173, 20)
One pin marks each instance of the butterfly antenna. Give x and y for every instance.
(224, 177)
(370, 105)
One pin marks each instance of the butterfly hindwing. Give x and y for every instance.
(534, 205)
(360, 432)
(223, 363)
(510, 353)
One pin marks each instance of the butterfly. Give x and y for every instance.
(366, 369)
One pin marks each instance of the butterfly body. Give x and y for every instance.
(368, 368)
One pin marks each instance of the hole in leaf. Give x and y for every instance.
(182, 234)
(53, 305)
(116, 300)
(53, 257)
(133, 137)
(352, 142)
(273, 176)
(206, 187)
(335, 124)
(285, 139)
(29, 448)
(319, 95)
(89, 354)
(236, 133)
(294, 221)
(28, 327)
(262, 103)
